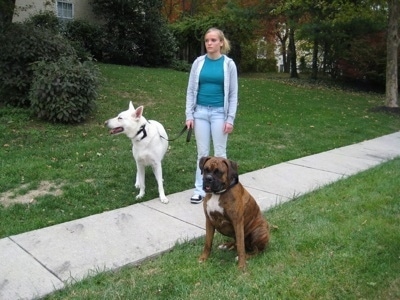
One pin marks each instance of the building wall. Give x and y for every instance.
(25, 8)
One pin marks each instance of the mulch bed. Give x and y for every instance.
(389, 110)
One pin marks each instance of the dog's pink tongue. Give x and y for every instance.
(116, 130)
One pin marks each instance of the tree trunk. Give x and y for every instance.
(286, 60)
(325, 60)
(293, 55)
(282, 40)
(314, 69)
(6, 12)
(392, 44)
(285, 55)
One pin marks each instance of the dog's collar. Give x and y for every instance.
(234, 182)
(142, 129)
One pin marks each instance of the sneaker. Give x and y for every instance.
(196, 199)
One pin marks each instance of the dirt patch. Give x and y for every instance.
(14, 196)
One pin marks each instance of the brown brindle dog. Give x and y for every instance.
(231, 210)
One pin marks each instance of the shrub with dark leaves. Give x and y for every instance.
(21, 46)
(90, 37)
(64, 91)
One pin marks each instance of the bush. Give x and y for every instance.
(84, 37)
(137, 33)
(21, 46)
(250, 63)
(88, 36)
(180, 65)
(64, 91)
(47, 20)
(160, 49)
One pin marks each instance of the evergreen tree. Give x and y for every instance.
(137, 33)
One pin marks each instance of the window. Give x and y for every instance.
(65, 10)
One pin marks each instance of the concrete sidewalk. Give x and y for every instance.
(36, 263)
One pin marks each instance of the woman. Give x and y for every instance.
(211, 101)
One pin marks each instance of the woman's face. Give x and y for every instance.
(213, 43)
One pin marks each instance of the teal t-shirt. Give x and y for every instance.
(211, 83)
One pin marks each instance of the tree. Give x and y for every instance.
(293, 54)
(136, 31)
(292, 13)
(238, 24)
(392, 55)
(281, 33)
(6, 12)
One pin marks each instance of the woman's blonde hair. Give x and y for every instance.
(226, 47)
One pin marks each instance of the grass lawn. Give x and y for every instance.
(88, 171)
(341, 242)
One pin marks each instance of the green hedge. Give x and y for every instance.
(64, 90)
(21, 46)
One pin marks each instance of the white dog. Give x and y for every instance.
(149, 144)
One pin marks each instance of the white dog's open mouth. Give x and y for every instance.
(116, 130)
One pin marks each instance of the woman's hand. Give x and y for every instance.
(228, 128)
(189, 124)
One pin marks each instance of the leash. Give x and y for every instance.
(189, 134)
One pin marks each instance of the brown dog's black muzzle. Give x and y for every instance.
(207, 183)
(211, 184)
(208, 178)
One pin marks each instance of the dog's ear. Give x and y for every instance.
(131, 107)
(138, 112)
(233, 170)
(202, 162)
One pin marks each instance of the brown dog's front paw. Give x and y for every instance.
(203, 257)
(242, 262)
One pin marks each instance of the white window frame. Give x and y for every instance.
(67, 10)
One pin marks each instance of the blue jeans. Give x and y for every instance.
(208, 124)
